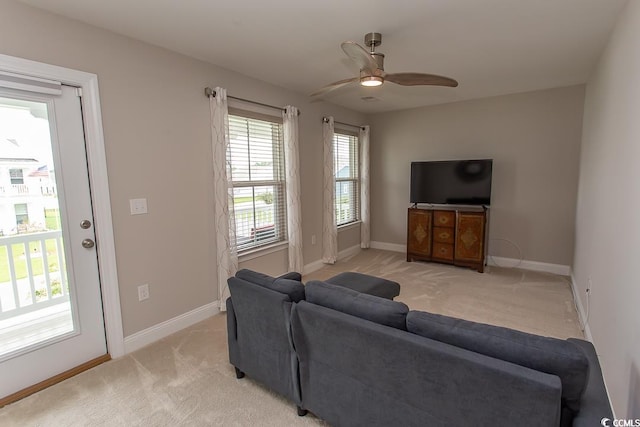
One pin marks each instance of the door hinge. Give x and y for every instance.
(79, 91)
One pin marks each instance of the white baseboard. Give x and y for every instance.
(582, 314)
(393, 247)
(349, 252)
(563, 270)
(143, 338)
(313, 266)
(317, 265)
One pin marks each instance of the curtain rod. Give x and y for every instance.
(208, 92)
(326, 120)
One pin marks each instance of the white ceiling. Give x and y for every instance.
(491, 47)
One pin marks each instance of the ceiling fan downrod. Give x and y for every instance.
(372, 40)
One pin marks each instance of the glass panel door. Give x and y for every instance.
(35, 304)
(51, 317)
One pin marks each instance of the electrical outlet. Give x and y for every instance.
(143, 292)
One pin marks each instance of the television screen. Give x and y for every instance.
(461, 182)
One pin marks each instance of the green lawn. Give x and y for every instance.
(237, 200)
(52, 220)
(20, 262)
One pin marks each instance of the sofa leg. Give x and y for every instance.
(302, 412)
(239, 373)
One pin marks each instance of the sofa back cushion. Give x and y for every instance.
(288, 283)
(364, 306)
(544, 354)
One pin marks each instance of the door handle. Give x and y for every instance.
(88, 243)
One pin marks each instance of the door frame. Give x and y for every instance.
(101, 202)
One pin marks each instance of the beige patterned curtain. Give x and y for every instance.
(292, 170)
(224, 219)
(365, 226)
(329, 228)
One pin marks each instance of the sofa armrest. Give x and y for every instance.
(232, 326)
(594, 405)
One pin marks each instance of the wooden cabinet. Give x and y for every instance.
(455, 236)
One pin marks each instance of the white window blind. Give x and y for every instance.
(346, 166)
(257, 172)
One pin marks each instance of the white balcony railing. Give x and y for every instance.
(32, 273)
(253, 226)
(27, 190)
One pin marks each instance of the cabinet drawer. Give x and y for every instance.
(442, 251)
(443, 234)
(444, 218)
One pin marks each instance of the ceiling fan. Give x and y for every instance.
(372, 72)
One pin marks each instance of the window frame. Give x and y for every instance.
(16, 174)
(277, 184)
(354, 178)
(22, 218)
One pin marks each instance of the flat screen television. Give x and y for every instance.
(460, 182)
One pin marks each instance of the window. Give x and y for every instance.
(16, 176)
(22, 214)
(257, 173)
(346, 166)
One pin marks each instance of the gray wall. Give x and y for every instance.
(158, 146)
(534, 139)
(607, 225)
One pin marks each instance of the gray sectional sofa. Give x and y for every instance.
(357, 359)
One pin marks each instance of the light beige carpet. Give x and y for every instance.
(186, 379)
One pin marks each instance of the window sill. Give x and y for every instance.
(262, 251)
(349, 225)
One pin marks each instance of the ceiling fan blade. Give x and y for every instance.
(333, 86)
(360, 56)
(419, 79)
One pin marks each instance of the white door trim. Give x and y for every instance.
(97, 162)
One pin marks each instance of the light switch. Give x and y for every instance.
(138, 206)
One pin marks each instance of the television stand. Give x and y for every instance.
(450, 235)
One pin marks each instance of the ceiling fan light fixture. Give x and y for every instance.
(371, 81)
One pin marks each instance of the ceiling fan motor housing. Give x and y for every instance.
(379, 57)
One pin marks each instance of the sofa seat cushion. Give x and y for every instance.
(367, 284)
(544, 354)
(289, 283)
(364, 306)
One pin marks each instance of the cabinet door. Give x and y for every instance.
(470, 237)
(419, 233)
